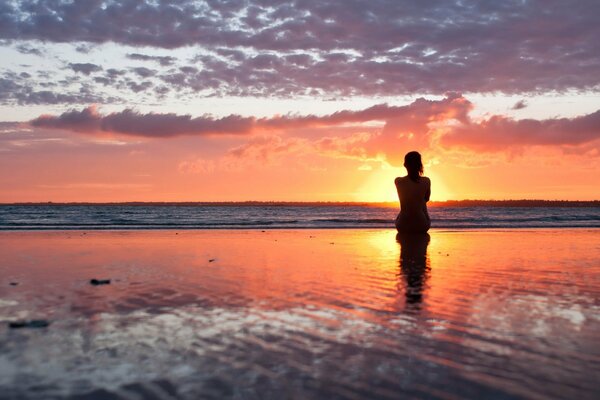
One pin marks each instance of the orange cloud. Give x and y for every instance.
(499, 132)
(431, 126)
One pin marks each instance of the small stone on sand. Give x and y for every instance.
(212, 259)
(97, 282)
(34, 323)
(13, 283)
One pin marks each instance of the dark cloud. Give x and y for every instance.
(137, 87)
(144, 72)
(519, 105)
(84, 48)
(113, 72)
(85, 68)
(165, 61)
(22, 89)
(27, 49)
(343, 47)
(129, 122)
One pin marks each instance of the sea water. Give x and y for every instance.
(301, 314)
(239, 216)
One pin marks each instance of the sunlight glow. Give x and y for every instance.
(379, 186)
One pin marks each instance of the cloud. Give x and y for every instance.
(311, 47)
(143, 72)
(23, 90)
(165, 61)
(85, 68)
(262, 151)
(499, 132)
(426, 125)
(27, 49)
(129, 122)
(519, 105)
(9, 127)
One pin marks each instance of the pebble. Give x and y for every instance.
(97, 282)
(34, 323)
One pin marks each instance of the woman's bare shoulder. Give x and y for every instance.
(399, 180)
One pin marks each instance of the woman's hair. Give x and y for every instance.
(413, 164)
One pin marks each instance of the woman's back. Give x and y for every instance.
(413, 196)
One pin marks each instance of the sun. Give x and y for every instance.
(378, 186)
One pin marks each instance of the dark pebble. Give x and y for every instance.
(13, 283)
(97, 282)
(34, 323)
(212, 259)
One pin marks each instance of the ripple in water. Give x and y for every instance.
(301, 314)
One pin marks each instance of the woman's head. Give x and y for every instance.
(413, 165)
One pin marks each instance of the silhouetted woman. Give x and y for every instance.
(413, 192)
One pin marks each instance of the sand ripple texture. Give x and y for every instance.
(310, 314)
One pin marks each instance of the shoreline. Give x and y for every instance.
(519, 203)
(261, 229)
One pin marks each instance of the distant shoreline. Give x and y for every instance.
(448, 203)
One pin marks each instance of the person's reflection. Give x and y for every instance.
(414, 265)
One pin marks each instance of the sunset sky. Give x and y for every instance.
(181, 100)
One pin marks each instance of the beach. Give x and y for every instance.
(304, 313)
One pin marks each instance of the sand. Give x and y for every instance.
(300, 313)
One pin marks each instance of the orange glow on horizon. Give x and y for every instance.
(77, 168)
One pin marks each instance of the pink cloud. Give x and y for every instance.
(129, 122)
(499, 132)
(425, 125)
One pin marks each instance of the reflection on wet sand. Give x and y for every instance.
(414, 265)
(302, 314)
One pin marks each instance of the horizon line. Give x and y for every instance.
(463, 203)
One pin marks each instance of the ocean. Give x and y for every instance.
(278, 216)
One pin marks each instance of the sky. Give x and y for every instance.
(299, 100)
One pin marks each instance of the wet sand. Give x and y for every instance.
(301, 314)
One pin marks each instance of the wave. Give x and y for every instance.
(44, 217)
